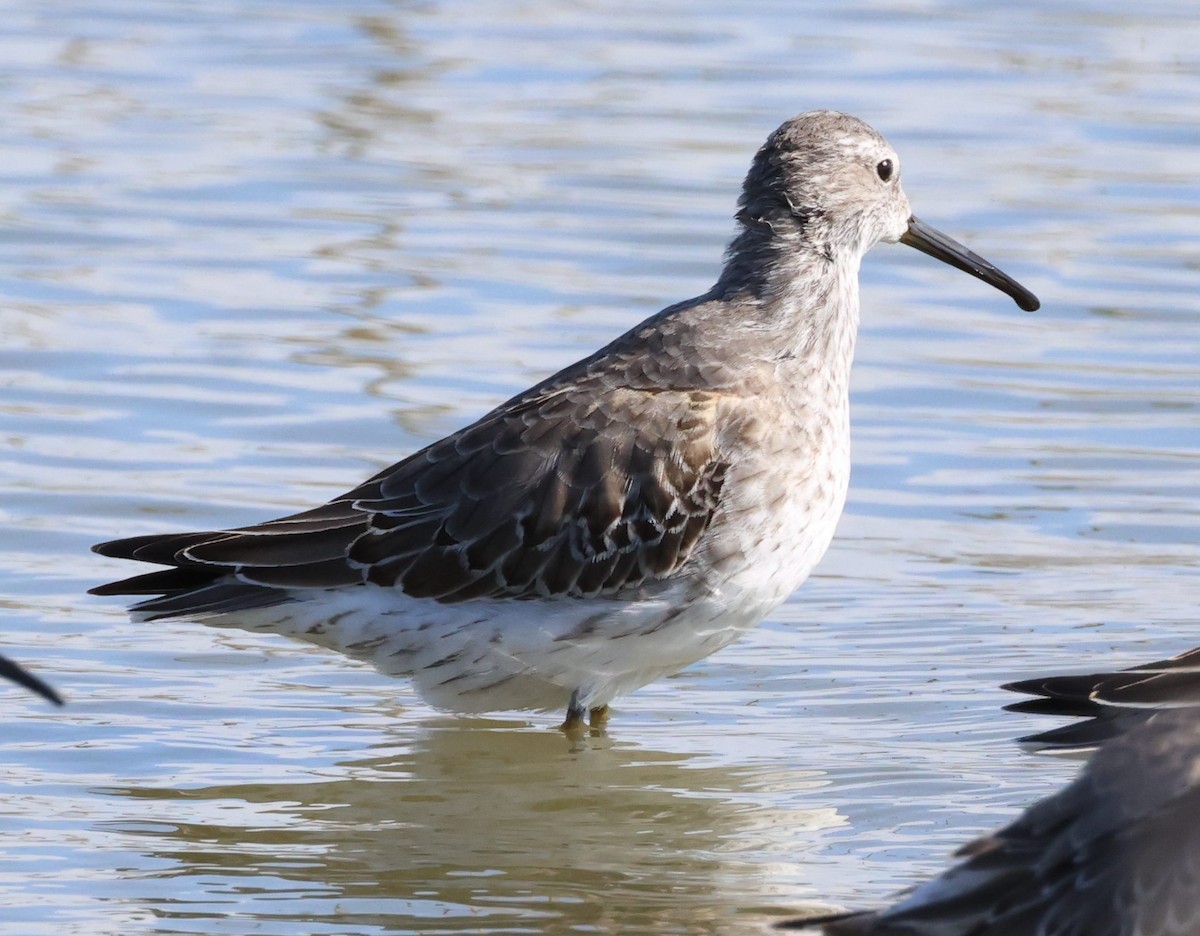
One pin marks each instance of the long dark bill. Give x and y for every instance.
(18, 674)
(933, 242)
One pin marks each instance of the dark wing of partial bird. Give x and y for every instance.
(1112, 702)
(564, 494)
(1117, 851)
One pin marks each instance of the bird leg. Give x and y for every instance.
(575, 712)
(598, 717)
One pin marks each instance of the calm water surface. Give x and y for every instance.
(252, 252)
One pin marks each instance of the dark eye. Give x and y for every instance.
(884, 169)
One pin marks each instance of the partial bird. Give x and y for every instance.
(1115, 853)
(22, 677)
(1110, 702)
(627, 516)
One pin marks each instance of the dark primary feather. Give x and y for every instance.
(1112, 702)
(1116, 852)
(564, 491)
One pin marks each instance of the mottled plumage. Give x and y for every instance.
(584, 491)
(1115, 853)
(629, 515)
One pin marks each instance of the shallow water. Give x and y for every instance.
(251, 252)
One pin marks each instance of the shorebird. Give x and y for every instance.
(1115, 853)
(625, 517)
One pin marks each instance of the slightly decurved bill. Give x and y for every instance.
(22, 676)
(930, 240)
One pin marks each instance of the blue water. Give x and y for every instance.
(252, 252)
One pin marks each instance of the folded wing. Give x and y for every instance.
(563, 494)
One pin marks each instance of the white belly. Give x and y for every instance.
(483, 656)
